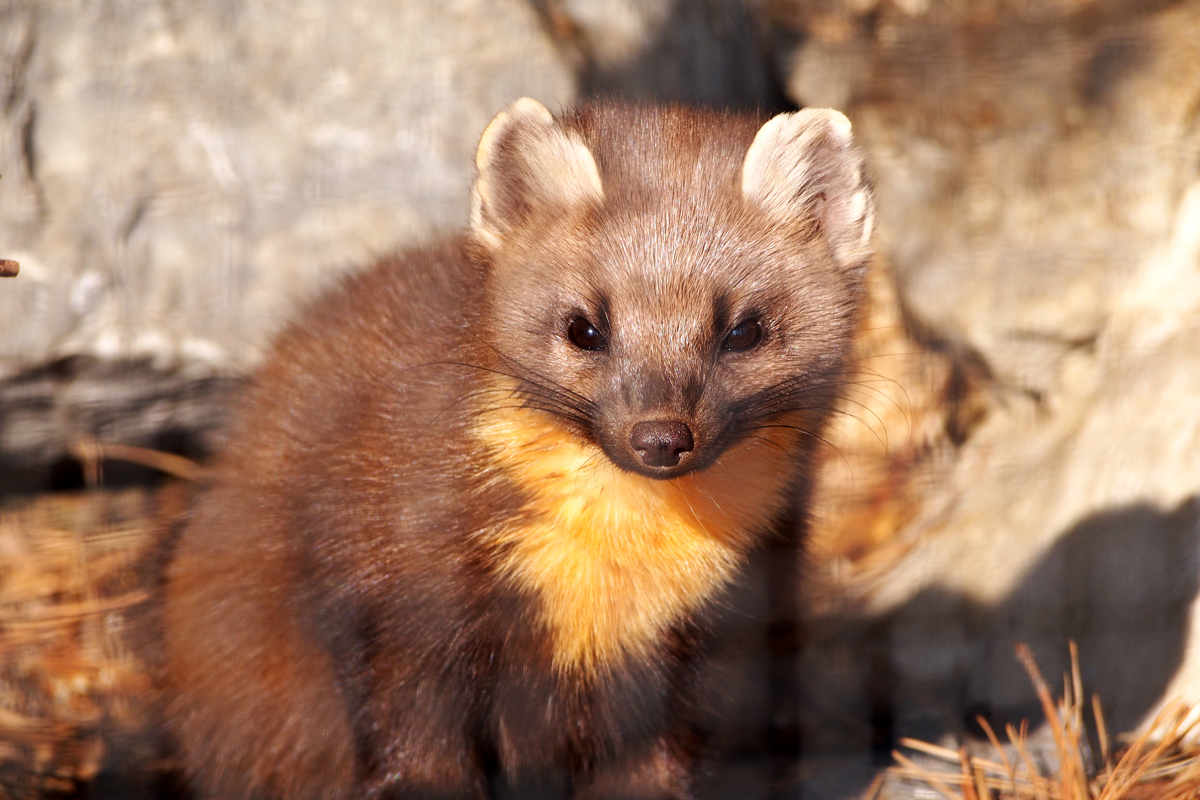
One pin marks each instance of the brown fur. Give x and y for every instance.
(430, 556)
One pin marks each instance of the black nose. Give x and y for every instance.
(661, 443)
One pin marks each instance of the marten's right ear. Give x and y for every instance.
(527, 163)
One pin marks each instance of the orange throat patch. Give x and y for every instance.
(616, 558)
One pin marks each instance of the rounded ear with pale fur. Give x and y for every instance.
(803, 169)
(527, 164)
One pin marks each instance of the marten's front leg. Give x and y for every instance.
(413, 730)
(658, 772)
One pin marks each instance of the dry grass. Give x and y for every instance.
(76, 570)
(1163, 763)
(67, 566)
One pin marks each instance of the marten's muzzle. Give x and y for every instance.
(662, 444)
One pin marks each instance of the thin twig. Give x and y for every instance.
(91, 451)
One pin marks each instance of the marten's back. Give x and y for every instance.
(354, 423)
(356, 419)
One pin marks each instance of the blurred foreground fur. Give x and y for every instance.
(77, 570)
(1162, 763)
(73, 685)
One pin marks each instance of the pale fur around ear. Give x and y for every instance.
(526, 163)
(803, 168)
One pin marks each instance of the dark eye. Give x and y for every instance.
(744, 336)
(583, 334)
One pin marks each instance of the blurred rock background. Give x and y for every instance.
(1020, 455)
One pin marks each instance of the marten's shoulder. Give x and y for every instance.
(392, 333)
(406, 307)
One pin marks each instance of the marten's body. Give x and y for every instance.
(477, 505)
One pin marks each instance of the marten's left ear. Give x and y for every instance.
(527, 164)
(804, 168)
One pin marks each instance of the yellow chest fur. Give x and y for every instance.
(615, 558)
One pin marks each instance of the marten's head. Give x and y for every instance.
(668, 282)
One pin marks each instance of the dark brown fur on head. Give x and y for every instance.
(644, 223)
(416, 571)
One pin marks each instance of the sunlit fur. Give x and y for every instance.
(617, 558)
(432, 558)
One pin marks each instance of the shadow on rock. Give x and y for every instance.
(1120, 584)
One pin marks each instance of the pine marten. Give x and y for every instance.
(476, 506)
